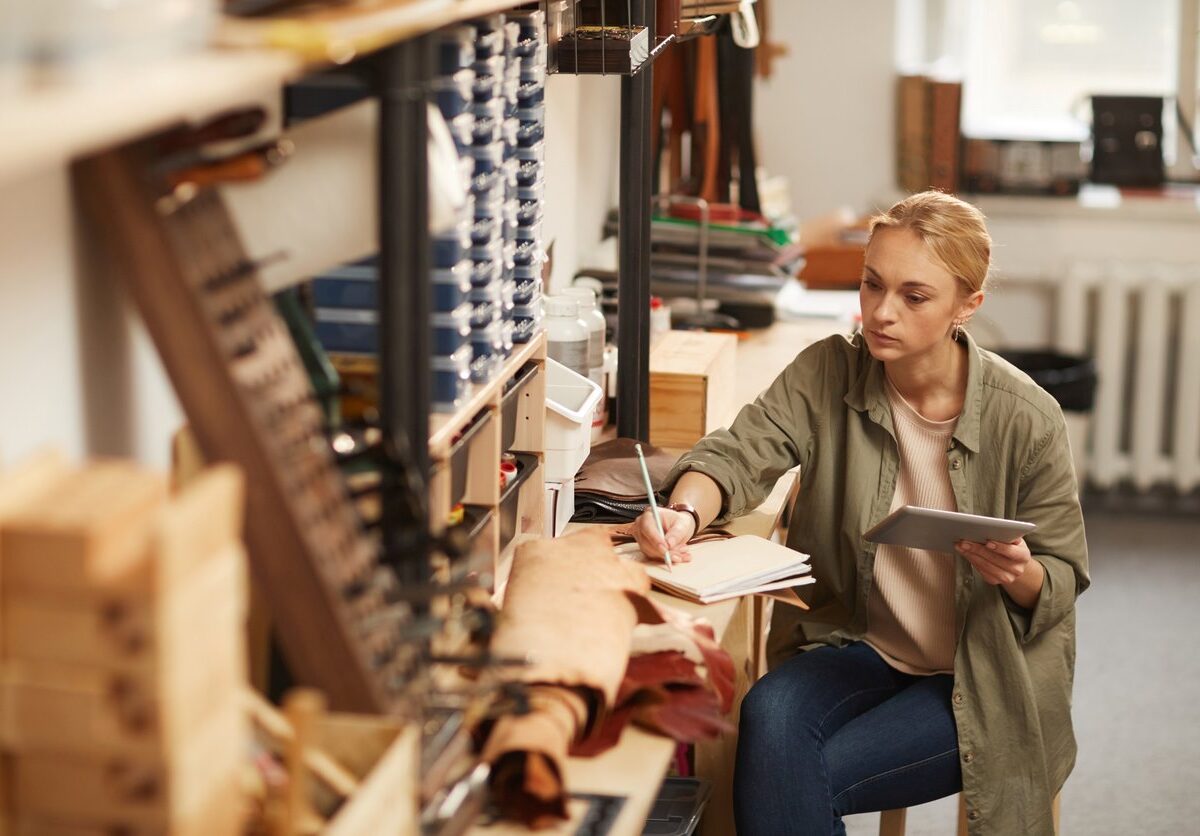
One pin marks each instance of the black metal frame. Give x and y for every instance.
(633, 240)
(403, 75)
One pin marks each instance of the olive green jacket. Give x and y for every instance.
(1009, 457)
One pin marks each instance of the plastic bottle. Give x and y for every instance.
(566, 334)
(590, 314)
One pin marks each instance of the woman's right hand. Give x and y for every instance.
(678, 526)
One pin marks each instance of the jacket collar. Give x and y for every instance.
(867, 392)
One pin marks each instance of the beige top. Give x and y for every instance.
(911, 612)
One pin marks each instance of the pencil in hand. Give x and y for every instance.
(654, 507)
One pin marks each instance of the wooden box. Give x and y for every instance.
(691, 386)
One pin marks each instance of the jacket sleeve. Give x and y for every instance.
(769, 436)
(1048, 496)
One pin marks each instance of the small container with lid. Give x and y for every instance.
(450, 247)
(525, 330)
(486, 367)
(450, 377)
(484, 272)
(529, 211)
(529, 232)
(488, 339)
(528, 252)
(490, 293)
(495, 108)
(526, 291)
(567, 335)
(450, 330)
(450, 287)
(483, 314)
(530, 93)
(530, 133)
(455, 48)
(589, 313)
(453, 93)
(535, 152)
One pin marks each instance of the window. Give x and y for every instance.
(1029, 66)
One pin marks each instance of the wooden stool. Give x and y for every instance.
(891, 822)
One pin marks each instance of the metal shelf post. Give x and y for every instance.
(403, 73)
(633, 295)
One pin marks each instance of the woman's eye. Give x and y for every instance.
(916, 300)
(870, 283)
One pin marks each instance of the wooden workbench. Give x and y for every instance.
(635, 767)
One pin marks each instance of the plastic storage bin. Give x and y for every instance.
(571, 400)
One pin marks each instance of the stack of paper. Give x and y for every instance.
(721, 569)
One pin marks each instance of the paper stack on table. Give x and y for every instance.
(721, 569)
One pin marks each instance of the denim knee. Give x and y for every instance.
(776, 705)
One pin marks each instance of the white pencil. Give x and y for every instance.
(654, 507)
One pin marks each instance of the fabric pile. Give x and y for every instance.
(610, 487)
(601, 655)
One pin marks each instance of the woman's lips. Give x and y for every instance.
(883, 338)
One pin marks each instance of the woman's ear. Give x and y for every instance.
(970, 305)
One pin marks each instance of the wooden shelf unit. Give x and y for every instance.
(483, 450)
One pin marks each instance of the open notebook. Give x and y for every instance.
(721, 569)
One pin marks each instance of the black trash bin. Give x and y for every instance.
(1071, 380)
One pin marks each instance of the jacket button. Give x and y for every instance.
(956, 464)
(968, 757)
(973, 815)
(958, 698)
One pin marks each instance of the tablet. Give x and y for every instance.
(938, 531)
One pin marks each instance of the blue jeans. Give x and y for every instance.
(835, 731)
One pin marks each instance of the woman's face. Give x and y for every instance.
(909, 301)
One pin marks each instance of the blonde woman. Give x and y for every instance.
(922, 673)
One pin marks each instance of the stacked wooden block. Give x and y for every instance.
(122, 657)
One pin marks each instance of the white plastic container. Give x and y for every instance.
(590, 313)
(567, 335)
(570, 402)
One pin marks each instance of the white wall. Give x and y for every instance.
(583, 136)
(77, 369)
(825, 118)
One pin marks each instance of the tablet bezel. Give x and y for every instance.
(934, 530)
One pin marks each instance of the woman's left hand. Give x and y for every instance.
(999, 563)
(1008, 565)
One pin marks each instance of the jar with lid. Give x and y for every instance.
(567, 335)
(590, 314)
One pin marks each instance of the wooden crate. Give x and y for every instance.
(692, 386)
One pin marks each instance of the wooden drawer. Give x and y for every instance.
(110, 791)
(691, 386)
(122, 629)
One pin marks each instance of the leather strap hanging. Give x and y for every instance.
(706, 138)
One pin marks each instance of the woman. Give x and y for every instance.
(924, 673)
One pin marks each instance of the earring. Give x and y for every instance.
(958, 329)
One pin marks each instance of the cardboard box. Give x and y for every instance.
(691, 386)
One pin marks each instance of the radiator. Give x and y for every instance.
(1141, 323)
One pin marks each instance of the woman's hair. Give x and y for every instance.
(952, 229)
